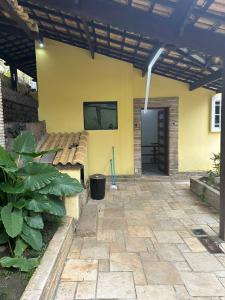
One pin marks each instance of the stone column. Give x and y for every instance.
(2, 128)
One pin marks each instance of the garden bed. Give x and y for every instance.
(44, 281)
(205, 192)
(13, 282)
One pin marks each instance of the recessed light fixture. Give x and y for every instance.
(41, 44)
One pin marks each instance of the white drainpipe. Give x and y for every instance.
(150, 66)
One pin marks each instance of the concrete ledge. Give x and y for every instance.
(43, 283)
(207, 193)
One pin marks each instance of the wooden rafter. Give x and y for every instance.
(88, 37)
(181, 14)
(16, 13)
(133, 20)
(206, 80)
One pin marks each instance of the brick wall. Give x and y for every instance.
(18, 107)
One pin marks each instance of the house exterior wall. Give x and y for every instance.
(67, 77)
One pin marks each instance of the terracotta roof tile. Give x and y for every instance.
(74, 148)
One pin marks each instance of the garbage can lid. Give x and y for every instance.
(97, 176)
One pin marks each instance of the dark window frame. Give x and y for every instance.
(101, 102)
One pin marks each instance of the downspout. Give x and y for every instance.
(149, 75)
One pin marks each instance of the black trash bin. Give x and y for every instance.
(97, 186)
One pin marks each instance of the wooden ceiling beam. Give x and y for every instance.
(181, 14)
(206, 80)
(137, 21)
(8, 7)
(88, 37)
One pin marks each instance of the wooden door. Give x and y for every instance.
(163, 140)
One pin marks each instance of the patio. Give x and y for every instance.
(144, 247)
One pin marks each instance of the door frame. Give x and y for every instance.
(172, 104)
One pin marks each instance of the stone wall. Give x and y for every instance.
(18, 107)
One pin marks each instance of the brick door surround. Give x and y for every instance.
(172, 103)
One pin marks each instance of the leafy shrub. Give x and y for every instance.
(216, 163)
(28, 189)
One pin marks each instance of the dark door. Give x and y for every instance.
(163, 140)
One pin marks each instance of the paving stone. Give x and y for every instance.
(113, 285)
(66, 291)
(111, 223)
(155, 292)
(135, 244)
(128, 262)
(76, 245)
(181, 292)
(161, 273)
(194, 244)
(142, 239)
(168, 237)
(80, 270)
(103, 265)
(88, 221)
(139, 231)
(149, 256)
(113, 213)
(202, 284)
(93, 249)
(203, 262)
(169, 252)
(85, 290)
(182, 266)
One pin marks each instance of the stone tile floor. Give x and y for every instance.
(144, 248)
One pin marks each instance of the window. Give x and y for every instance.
(216, 113)
(100, 115)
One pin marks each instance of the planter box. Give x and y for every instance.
(43, 283)
(207, 193)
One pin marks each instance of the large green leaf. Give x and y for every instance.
(35, 221)
(12, 220)
(32, 237)
(3, 238)
(6, 161)
(63, 185)
(42, 203)
(19, 204)
(25, 142)
(9, 188)
(20, 247)
(37, 175)
(22, 263)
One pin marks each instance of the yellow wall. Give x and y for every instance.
(67, 76)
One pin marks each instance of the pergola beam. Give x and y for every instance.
(8, 7)
(88, 37)
(181, 14)
(206, 80)
(138, 21)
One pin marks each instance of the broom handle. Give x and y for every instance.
(113, 161)
(111, 166)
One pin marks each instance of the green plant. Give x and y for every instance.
(216, 163)
(28, 189)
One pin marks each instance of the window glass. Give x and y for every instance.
(216, 113)
(100, 115)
